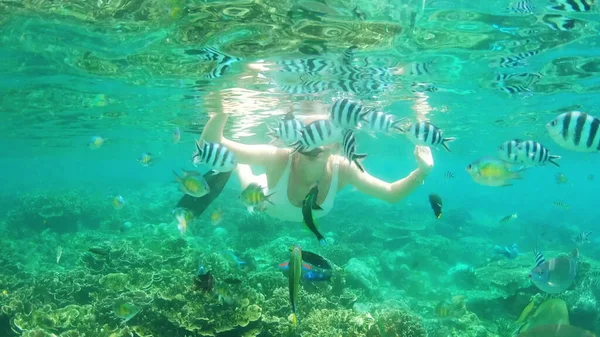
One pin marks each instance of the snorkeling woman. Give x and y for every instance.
(289, 175)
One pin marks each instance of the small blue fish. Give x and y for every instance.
(509, 252)
(201, 270)
(308, 273)
(233, 258)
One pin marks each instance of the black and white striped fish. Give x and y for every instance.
(576, 131)
(347, 114)
(288, 129)
(361, 87)
(306, 87)
(526, 78)
(427, 134)
(318, 133)
(218, 157)
(422, 87)
(419, 68)
(539, 257)
(533, 153)
(507, 151)
(381, 122)
(522, 7)
(583, 237)
(558, 22)
(349, 148)
(572, 5)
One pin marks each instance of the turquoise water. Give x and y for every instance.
(130, 72)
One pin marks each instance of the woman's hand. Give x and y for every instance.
(424, 159)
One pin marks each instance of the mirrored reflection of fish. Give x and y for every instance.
(146, 159)
(183, 217)
(522, 7)
(561, 178)
(436, 204)
(124, 310)
(192, 183)
(493, 172)
(582, 237)
(560, 204)
(449, 175)
(294, 277)
(176, 135)
(555, 275)
(558, 22)
(455, 307)
(310, 202)
(572, 5)
(118, 202)
(509, 252)
(96, 142)
(509, 218)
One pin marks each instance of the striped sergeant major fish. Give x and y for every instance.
(583, 237)
(347, 114)
(522, 7)
(427, 134)
(215, 155)
(526, 78)
(514, 89)
(307, 87)
(349, 148)
(555, 275)
(294, 277)
(533, 153)
(381, 122)
(517, 59)
(288, 129)
(509, 218)
(420, 68)
(572, 5)
(507, 151)
(558, 22)
(576, 131)
(318, 133)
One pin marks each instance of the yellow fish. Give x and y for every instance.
(192, 183)
(525, 313)
(490, 171)
(96, 142)
(560, 204)
(216, 217)
(254, 197)
(145, 159)
(118, 202)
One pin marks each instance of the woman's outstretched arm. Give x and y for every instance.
(390, 192)
(261, 155)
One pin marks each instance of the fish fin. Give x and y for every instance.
(297, 146)
(294, 319)
(394, 126)
(356, 159)
(447, 140)
(322, 242)
(552, 159)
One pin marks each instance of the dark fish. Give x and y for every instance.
(436, 204)
(508, 218)
(310, 201)
(449, 175)
(204, 282)
(102, 251)
(315, 259)
(556, 330)
(346, 113)
(318, 133)
(359, 14)
(231, 280)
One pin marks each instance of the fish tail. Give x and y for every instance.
(356, 159)
(267, 198)
(552, 159)
(297, 147)
(395, 126)
(177, 177)
(447, 140)
(272, 134)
